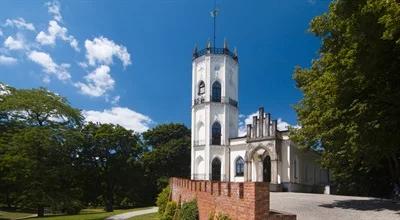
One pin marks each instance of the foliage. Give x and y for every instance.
(189, 211)
(108, 155)
(167, 154)
(170, 211)
(163, 199)
(351, 103)
(50, 159)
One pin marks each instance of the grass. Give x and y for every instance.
(13, 215)
(152, 216)
(86, 214)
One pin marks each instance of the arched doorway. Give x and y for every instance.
(267, 169)
(216, 169)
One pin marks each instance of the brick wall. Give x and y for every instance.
(249, 200)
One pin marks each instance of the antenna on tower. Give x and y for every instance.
(214, 13)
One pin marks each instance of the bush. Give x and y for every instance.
(219, 216)
(162, 200)
(189, 211)
(169, 211)
(73, 208)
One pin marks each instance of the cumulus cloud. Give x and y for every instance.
(54, 9)
(244, 120)
(101, 50)
(19, 23)
(97, 83)
(14, 43)
(125, 117)
(55, 31)
(5, 60)
(49, 66)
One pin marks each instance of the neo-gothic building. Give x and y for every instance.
(264, 154)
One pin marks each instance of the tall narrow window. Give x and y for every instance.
(202, 88)
(216, 133)
(239, 167)
(216, 92)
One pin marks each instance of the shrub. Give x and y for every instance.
(219, 216)
(170, 210)
(162, 200)
(189, 211)
(73, 208)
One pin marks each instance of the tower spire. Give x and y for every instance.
(214, 13)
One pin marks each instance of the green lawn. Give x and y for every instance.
(86, 214)
(13, 215)
(152, 216)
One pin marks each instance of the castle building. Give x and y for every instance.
(265, 154)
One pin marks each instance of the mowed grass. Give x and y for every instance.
(152, 216)
(87, 214)
(13, 215)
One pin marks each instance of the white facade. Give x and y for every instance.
(264, 154)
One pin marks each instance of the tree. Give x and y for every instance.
(168, 154)
(351, 103)
(108, 159)
(39, 107)
(36, 148)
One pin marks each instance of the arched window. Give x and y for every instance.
(216, 92)
(216, 169)
(202, 88)
(239, 165)
(216, 133)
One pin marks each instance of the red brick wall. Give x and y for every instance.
(249, 200)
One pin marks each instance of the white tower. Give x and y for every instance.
(214, 111)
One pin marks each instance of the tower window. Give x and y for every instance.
(216, 133)
(202, 88)
(239, 165)
(216, 92)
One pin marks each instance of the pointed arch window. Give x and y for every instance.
(216, 92)
(239, 167)
(202, 88)
(216, 133)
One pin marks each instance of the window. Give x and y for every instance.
(216, 133)
(202, 88)
(239, 167)
(216, 169)
(216, 92)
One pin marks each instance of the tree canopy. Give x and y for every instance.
(351, 103)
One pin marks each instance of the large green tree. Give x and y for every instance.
(37, 151)
(351, 103)
(109, 163)
(168, 154)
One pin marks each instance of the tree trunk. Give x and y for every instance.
(109, 199)
(40, 211)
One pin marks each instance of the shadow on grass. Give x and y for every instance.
(365, 205)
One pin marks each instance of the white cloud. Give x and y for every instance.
(125, 117)
(97, 83)
(14, 43)
(19, 23)
(1, 33)
(54, 9)
(5, 60)
(244, 120)
(115, 100)
(49, 66)
(102, 50)
(55, 31)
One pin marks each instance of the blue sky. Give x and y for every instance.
(129, 62)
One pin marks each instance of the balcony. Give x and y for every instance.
(214, 50)
(223, 99)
